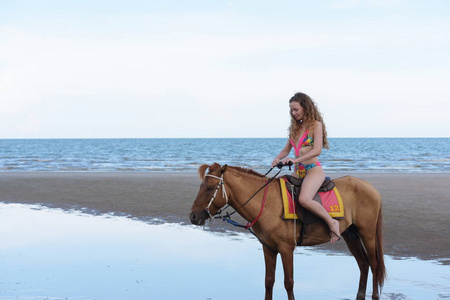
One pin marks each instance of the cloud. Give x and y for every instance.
(366, 3)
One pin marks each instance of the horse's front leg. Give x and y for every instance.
(287, 257)
(270, 259)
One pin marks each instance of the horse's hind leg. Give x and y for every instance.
(270, 259)
(356, 248)
(368, 239)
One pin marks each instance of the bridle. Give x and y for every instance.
(224, 192)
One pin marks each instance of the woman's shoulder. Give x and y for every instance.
(317, 124)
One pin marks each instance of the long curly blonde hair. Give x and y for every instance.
(311, 115)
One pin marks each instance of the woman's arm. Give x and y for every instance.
(285, 152)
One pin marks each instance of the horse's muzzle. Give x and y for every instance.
(198, 218)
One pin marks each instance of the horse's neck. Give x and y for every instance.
(243, 186)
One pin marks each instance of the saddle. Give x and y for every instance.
(326, 186)
(327, 195)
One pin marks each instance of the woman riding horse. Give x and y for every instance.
(307, 135)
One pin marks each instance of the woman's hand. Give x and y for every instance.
(288, 160)
(275, 162)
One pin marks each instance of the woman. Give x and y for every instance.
(307, 135)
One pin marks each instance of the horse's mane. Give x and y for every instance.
(202, 170)
(248, 171)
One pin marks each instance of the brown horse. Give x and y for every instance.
(361, 226)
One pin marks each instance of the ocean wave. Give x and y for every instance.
(340, 160)
(439, 160)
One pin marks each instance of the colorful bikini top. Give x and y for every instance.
(304, 141)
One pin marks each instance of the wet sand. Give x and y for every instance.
(416, 206)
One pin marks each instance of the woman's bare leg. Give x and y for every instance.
(311, 184)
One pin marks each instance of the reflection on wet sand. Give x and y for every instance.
(48, 253)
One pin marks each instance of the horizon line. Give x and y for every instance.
(143, 138)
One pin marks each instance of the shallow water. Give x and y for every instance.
(52, 254)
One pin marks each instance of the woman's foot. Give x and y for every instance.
(335, 232)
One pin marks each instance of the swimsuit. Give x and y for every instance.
(304, 141)
(301, 169)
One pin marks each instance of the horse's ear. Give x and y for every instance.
(224, 168)
(202, 170)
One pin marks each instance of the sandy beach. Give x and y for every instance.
(416, 206)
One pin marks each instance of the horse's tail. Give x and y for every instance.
(381, 270)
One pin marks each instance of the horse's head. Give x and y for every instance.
(211, 195)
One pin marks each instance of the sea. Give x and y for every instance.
(355, 155)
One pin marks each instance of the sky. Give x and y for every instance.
(206, 69)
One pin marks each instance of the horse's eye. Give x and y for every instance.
(209, 188)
